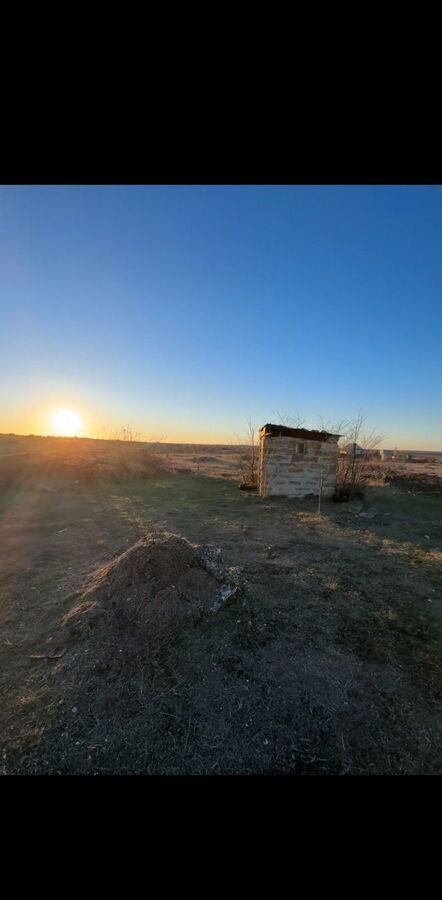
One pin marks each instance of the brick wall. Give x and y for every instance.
(284, 472)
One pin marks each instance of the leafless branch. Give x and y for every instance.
(248, 460)
(291, 421)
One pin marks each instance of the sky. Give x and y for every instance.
(185, 311)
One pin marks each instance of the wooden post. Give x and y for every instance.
(353, 469)
(321, 478)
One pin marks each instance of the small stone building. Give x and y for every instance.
(293, 461)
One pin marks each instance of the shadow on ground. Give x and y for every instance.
(329, 664)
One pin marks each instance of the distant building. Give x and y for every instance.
(352, 449)
(294, 461)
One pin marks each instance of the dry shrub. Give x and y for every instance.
(353, 468)
(249, 456)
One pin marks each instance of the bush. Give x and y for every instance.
(344, 494)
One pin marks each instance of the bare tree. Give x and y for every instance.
(248, 460)
(294, 421)
(331, 427)
(357, 444)
(341, 426)
(126, 433)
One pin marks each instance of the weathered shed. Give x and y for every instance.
(296, 462)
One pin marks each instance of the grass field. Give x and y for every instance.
(329, 664)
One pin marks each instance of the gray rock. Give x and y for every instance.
(368, 514)
(231, 582)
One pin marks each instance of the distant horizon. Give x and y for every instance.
(186, 310)
(84, 437)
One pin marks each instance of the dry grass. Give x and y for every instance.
(51, 463)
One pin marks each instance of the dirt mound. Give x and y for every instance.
(153, 588)
(119, 639)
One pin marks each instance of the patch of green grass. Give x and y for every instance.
(188, 495)
(9, 497)
(415, 506)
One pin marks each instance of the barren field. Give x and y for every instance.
(328, 661)
(50, 462)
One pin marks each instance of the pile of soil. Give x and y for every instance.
(331, 666)
(152, 589)
(113, 660)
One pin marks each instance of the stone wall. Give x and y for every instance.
(285, 472)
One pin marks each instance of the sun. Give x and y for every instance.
(67, 423)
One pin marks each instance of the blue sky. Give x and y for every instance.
(186, 310)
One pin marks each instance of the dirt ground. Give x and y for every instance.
(330, 663)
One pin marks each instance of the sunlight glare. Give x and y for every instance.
(67, 423)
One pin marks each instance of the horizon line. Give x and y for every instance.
(81, 437)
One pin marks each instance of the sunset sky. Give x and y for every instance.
(184, 311)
